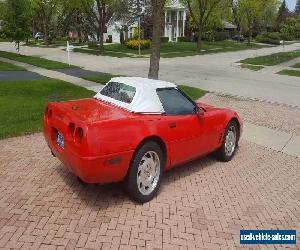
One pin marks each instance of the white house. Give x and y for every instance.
(115, 26)
(175, 20)
(175, 23)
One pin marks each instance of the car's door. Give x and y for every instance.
(186, 134)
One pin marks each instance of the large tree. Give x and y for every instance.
(201, 12)
(157, 21)
(17, 20)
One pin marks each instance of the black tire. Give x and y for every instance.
(222, 154)
(132, 179)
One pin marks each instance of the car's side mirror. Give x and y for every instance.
(199, 112)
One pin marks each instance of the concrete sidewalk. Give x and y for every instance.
(56, 75)
(274, 139)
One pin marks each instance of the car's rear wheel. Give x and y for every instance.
(144, 176)
(230, 142)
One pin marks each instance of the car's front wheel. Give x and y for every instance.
(230, 142)
(144, 176)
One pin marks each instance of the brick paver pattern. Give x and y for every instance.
(201, 205)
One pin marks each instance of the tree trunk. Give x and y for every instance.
(101, 40)
(157, 17)
(199, 40)
(46, 34)
(250, 35)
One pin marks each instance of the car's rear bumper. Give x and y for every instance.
(100, 169)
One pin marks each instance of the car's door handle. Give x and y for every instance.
(172, 125)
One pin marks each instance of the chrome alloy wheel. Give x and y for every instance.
(148, 173)
(230, 141)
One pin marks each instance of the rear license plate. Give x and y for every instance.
(60, 140)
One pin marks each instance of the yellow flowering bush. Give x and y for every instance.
(134, 44)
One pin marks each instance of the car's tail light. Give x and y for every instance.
(71, 129)
(79, 135)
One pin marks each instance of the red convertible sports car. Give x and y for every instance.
(133, 130)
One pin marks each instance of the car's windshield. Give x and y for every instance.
(119, 91)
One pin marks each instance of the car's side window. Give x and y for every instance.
(174, 102)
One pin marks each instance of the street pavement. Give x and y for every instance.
(214, 72)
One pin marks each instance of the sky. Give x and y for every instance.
(291, 4)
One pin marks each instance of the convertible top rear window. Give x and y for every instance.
(119, 91)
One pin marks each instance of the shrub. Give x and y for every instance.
(221, 35)
(135, 33)
(109, 39)
(269, 38)
(291, 28)
(164, 39)
(207, 36)
(182, 39)
(134, 44)
(215, 36)
(93, 45)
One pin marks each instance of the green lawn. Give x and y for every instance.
(10, 67)
(289, 72)
(273, 59)
(193, 93)
(36, 61)
(23, 102)
(251, 67)
(169, 50)
(296, 65)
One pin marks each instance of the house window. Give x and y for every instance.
(168, 17)
(180, 15)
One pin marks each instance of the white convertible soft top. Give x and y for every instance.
(145, 99)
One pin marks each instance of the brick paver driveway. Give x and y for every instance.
(201, 205)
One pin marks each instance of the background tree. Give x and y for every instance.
(73, 18)
(236, 18)
(203, 12)
(17, 20)
(269, 13)
(158, 22)
(99, 12)
(45, 14)
(283, 13)
(290, 29)
(297, 9)
(250, 13)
